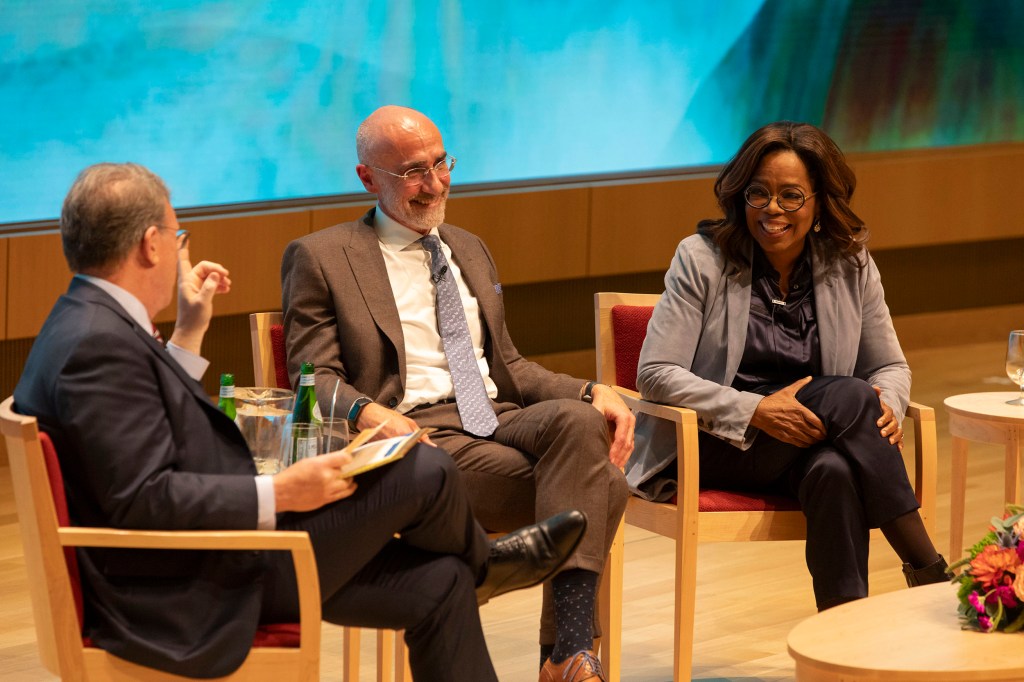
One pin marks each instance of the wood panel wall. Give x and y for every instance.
(908, 199)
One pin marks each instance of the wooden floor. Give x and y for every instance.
(748, 596)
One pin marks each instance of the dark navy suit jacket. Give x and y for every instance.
(142, 447)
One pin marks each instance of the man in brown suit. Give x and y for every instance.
(359, 303)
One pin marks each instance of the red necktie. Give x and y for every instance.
(157, 335)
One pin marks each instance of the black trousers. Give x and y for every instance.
(423, 581)
(851, 482)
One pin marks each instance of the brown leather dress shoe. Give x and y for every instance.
(583, 667)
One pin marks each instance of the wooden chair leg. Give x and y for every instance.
(403, 673)
(350, 654)
(385, 655)
(957, 497)
(686, 602)
(610, 607)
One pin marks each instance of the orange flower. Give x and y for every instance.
(989, 566)
(1018, 585)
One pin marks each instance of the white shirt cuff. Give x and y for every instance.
(194, 365)
(267, 518)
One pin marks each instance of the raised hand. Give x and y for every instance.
(196, 288)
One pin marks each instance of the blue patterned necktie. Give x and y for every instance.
(475, 407)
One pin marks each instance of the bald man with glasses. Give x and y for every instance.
(407, 312)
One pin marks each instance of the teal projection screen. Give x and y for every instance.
(241, 101)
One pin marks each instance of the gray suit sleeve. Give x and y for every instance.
(666, 371)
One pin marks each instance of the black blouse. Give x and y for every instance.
(782, 335)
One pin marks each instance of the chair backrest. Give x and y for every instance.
(621, 321)
(42, 507)
(269, 359)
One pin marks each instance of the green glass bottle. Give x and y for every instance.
(226, 402)
(305, 441)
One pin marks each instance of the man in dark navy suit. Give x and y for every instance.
(142, 446)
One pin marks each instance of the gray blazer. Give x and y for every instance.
(698, 331)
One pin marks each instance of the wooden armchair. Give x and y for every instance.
(270, 368)
(280, 652)
(703, 514)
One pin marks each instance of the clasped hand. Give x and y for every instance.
(784, 418)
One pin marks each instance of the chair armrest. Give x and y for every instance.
(678, 415)
(687, 456)
(184, 539)
(296, 542)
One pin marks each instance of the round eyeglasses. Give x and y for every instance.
(789, 200)
(442, 169)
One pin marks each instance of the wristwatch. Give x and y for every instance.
(353, 412)
(588, 392)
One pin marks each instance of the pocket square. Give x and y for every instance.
(497, 288)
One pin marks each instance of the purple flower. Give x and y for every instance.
(985, 623)
(1003, 593)
(975, 601)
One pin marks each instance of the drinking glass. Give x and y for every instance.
(301, 440)
(1015, 363)
(261, 415)
(335, 434)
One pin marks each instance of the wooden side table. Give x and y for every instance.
(912, 634)
(985, 418)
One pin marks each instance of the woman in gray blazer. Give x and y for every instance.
(773, 328)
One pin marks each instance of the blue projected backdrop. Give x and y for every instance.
(251, 100)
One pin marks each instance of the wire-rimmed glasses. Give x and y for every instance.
(790, 199)
(442, 169)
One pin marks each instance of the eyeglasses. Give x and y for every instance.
(442, 169)
(182, 236)
(789, 200)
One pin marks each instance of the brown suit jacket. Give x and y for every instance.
(340, 314)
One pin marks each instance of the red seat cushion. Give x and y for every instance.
(286, 635)
(280, 356)
(629, 329)
(728, 500)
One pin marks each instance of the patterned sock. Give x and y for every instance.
(575, 592)
(545, 653)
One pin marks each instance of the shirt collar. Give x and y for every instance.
(394, 235)
(127, 300)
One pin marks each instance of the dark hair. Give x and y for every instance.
(106, 211)
(842, 234)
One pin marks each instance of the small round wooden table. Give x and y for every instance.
(909, 634)
(984, 418)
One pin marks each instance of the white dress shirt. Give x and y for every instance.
(195, 366)
(427, 377)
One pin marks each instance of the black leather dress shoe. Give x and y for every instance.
(531, 555)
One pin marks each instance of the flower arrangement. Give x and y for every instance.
(992, 581)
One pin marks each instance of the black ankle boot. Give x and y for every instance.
(934, 572)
